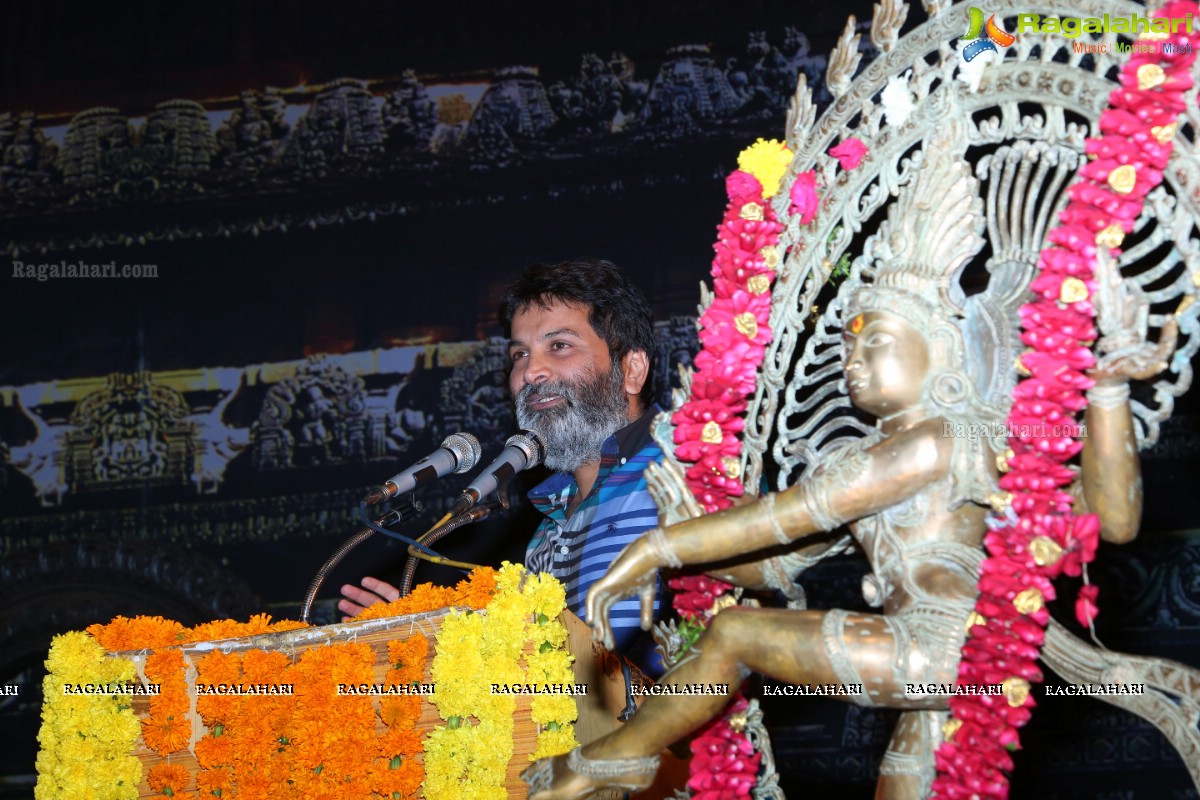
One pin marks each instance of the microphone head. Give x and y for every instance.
(466, 450)
(528, 442)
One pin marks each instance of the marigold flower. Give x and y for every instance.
(766, 160)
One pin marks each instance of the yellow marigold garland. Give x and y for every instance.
(550, 662)
(469, 756)
(87, 740)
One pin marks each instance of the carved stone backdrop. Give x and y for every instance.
(330, 253)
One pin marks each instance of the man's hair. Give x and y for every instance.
(617, 310)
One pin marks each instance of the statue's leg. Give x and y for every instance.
(1171, 698)
(908, 770)
(789, 646)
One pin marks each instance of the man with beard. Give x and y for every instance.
(580, 338)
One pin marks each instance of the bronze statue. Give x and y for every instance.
(914, 493)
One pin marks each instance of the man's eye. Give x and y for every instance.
(517, 355)
(559, 345)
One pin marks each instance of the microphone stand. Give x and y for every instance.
(393, 517)
(434, 534)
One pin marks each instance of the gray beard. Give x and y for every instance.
(596, 407)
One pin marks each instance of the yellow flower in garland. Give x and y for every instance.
(86, 740)
(767, 160)
(548, 596)
(517, 640)
(549, 662)
(555, 741)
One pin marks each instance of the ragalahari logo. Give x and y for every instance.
(986, 35)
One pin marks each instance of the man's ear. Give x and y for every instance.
(636, 367)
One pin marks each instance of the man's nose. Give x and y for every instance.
(536, 369)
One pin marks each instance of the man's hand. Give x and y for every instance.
(356, 599)
(632, 573)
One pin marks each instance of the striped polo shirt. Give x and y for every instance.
(578, 549)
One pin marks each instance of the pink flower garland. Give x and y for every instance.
(1042, 539)
(734, 334)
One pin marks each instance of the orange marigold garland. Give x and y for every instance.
(258, 729)
(146, 633)
(168, 780)
(474, 591)
(139, 633)
(269, 745)
(399, 774)
(327, 758)
(214, 752)
(232, 629)
(167, 730)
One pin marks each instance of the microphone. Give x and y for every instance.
(458, 453)
(522, 451)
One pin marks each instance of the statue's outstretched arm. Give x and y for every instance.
(1111, 475)
(756, 573)
(852, 485)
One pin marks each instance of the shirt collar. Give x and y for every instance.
(628, 442)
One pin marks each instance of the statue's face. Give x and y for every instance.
(887, 360)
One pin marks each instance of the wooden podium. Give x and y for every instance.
(600, 670)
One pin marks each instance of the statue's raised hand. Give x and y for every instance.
(1123, 316)
(632, 573)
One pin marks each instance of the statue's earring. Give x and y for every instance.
(948, 388)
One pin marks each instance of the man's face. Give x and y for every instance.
(565, 384)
